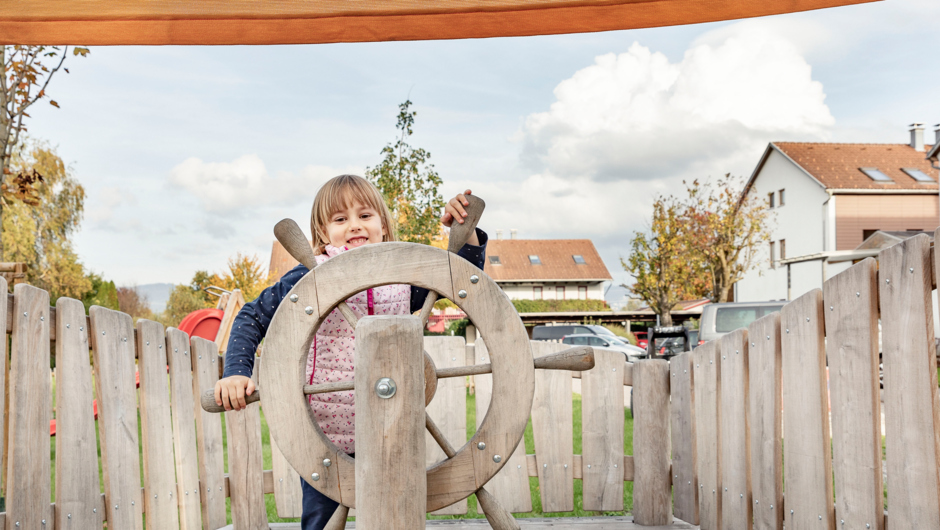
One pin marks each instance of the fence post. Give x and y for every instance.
(652, 493)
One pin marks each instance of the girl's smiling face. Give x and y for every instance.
(354, 226)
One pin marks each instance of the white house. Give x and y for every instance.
(547, 269)
(827, 198)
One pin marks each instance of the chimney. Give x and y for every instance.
(917, 136)
(936, 134)
(499, 233)
(512, 233)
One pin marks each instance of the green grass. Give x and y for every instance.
(472, 502)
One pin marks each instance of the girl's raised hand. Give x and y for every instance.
(454, 209)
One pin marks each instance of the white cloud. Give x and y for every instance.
(101, 208)
(242, 185)
(638, 116)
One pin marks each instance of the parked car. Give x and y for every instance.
(631, 353)
(640, 339)
(665, 342)
(693, 338)
(719, 319)
(559, 332)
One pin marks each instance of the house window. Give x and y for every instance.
(772, 254)
(534, 260)
(917, 174)
(783, 249)
(559, 292)
(536, 293)
(781, 196)
(875, 174)
(494, 260)
(582, 292)
(770, 200)
(578, 258)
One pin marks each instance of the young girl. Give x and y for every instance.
(348, 212)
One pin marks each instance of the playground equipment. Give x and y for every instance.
(716, 430)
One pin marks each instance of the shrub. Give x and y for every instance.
(545, 306)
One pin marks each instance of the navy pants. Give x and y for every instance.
(317, 508)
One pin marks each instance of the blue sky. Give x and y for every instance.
(191, 154)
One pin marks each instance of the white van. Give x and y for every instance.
(718, 319)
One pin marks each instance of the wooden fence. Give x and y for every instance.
(172, 475)
(796, 395)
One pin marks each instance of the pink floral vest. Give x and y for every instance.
(332, 356)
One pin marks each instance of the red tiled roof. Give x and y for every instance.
(837, 166)
(556, 256)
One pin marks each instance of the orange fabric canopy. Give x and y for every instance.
(159, 22)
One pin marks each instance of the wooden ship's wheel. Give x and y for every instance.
(465, 470)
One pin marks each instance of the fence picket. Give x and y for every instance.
(205, 359)
(912, 412)
(736, 502)
(29, 462)
(182, 404)
(707, 390)
(682, 415)
(112, 337)
(807, 455)
(552, 427)
(245, 466)
(448, 409)
(76, 477)
(160, 500)
(766, 433)
(852, 346)
(651, 484)
(288, 495)
(602, 425)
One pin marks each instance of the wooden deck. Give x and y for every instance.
(551, 523)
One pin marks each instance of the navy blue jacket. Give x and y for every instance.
(253, 320)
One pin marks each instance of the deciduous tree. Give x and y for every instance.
(726, 231)
(27, 71)
(134, 303)
(661, 261)
(409, 183)
(39, 231)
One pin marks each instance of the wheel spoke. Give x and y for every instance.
(348, 314)
(463, 371)
(326, 388)
(338, 521)
(438, 436)
(427, 307)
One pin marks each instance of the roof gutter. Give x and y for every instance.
(834, 256)
(860, 191)
(543, 280)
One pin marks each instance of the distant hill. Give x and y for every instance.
(158, 294)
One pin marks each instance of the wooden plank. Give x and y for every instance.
(205, 357)
(706, 392)
(552, 428)
(112, 338)
(390, 431)
(246, 466)
(855, 397)
(807, 455)
(651, 485)
(602, 424)
(232, 306)
(160, 499)
(448, 409)
(911, 409)
(184, 432)
(765, 403)
(682, 415)
(511, 484)
(735, 443)
(29, 463)
(288, 496)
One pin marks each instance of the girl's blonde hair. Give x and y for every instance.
(338, 194)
